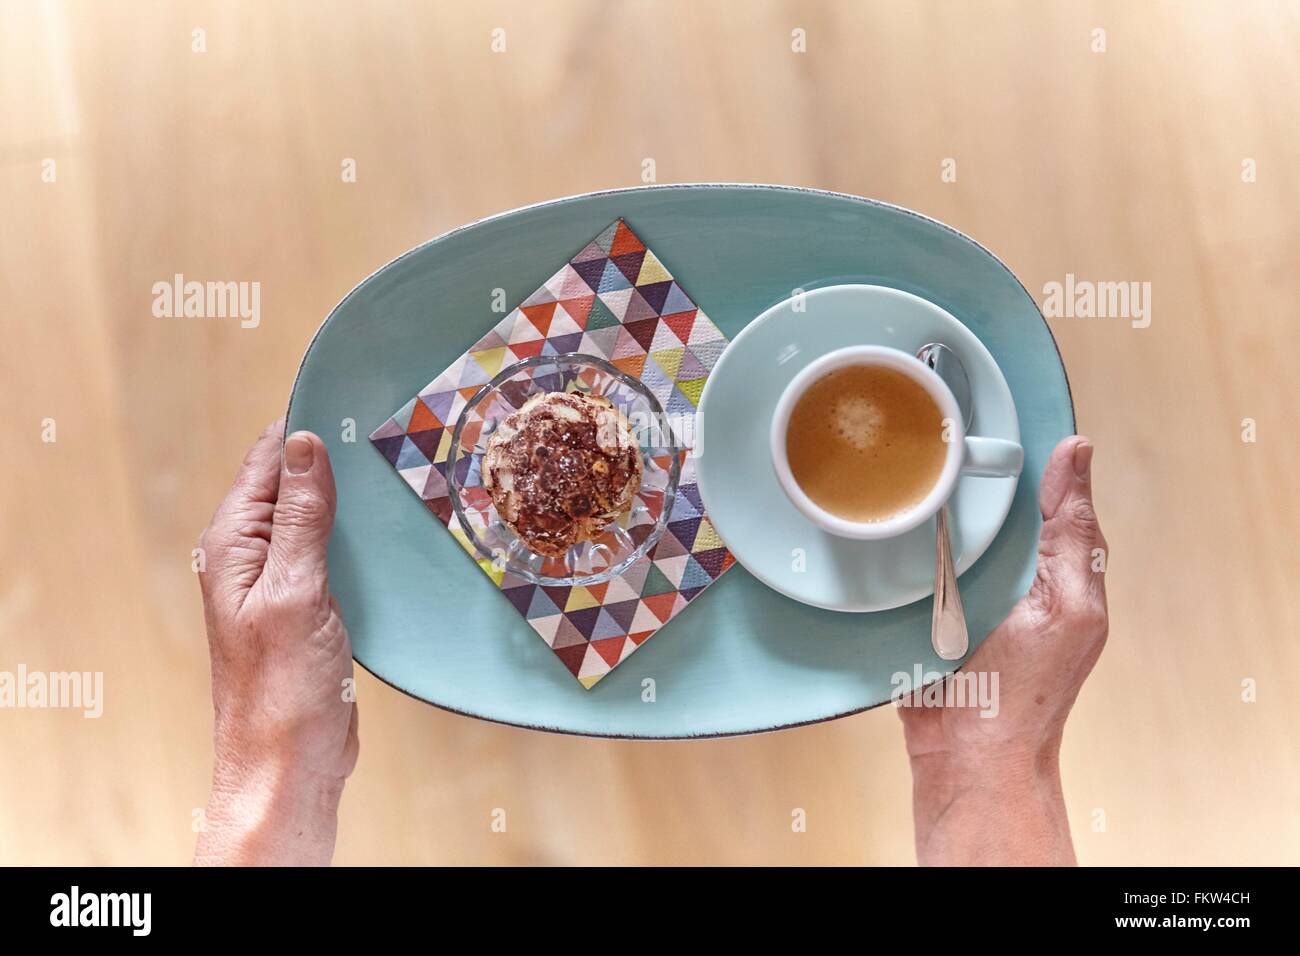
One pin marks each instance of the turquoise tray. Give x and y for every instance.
(742, 658)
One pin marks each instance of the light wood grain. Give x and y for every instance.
(1123, 165)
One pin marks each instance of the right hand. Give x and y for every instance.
(1042, 653)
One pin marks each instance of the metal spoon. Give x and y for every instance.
(948, 621)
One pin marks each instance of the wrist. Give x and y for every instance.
(989, 766)
(1002, 807)
(271, 812)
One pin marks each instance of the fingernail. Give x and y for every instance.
(298, 454)
(1083, 458)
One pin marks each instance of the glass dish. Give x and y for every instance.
(631, 536)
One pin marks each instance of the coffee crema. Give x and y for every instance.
(865, 443)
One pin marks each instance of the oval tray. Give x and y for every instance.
(742, 658)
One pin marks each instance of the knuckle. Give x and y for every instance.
(1081, 513)
(295, 597)
(302, 510)
(1059, 601)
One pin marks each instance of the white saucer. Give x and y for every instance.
(765, 532)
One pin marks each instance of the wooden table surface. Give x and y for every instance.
(1128, 164)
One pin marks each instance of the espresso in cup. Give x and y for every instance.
(865, 443)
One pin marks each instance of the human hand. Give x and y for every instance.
(986, 789)
(286, 728)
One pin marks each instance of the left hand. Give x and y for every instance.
(286, 727)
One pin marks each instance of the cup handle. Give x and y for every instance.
(992, 457)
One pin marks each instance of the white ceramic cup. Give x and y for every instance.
(966, 454)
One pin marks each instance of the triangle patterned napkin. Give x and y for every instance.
(617, 301)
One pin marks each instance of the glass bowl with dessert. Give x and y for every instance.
(563, 470)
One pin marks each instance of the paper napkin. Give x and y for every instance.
(614, 300)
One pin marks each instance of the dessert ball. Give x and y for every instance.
(561, 468)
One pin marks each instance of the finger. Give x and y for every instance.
(258, 480)
(236, 540)
(304, 512)
(1071, 549)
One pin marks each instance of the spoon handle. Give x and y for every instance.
(948, 623)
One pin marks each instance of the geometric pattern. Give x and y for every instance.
(614, 300)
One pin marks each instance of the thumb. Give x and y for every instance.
(304, 511)
(1071, 548)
